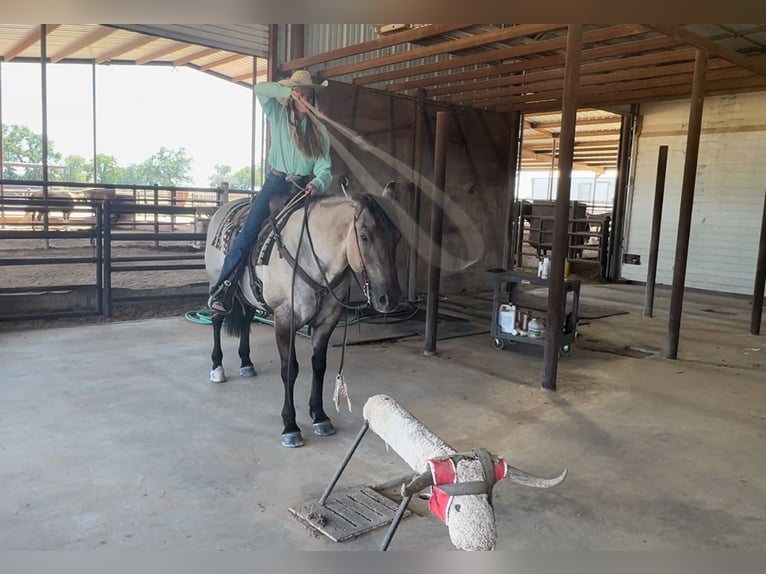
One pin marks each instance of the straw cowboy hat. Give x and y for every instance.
(301, 78)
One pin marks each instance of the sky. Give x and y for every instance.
(139, 110)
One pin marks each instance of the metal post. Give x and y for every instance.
(44, 101)
(2, 167)
(437, 222)
(687, 201)
(297, 33)
(395, 522)
(514, 145)
(760, 278)
(253, 125)
(272, 69)
(106, 218)
(156, 214)
(654, 245)
(417, 168)
(344, 463)
(556, 294)
(620, 198)
(95, 148)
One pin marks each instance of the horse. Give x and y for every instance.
(57, 201)
(331, 239)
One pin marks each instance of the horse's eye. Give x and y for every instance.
(364, 238)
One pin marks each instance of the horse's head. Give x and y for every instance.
(371, 249)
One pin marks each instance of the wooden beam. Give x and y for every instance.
(555, 125)
(755, 65)
(402, 37)
(194, 56)
(624, 48)
(222, 61)
(262, 75)
(29, 40)
(94, 36)
(614, 80)
(626, 65)
(600, 35)
(450, 46)
(159, 53)
(125, 48)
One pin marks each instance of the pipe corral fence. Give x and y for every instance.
(42, 224)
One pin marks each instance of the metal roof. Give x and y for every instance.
(498, 67)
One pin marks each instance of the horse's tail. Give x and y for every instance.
(237, 321)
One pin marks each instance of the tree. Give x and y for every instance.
(76, 168)
(222, 173)
(237, 180)
(166, 167)
(22, 145)
(108, 170)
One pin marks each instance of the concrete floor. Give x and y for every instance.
(112, 437)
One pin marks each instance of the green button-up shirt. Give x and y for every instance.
(284, 154)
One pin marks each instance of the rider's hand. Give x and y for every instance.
(311, 190)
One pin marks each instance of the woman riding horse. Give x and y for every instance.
(307, 285)
(300, 147)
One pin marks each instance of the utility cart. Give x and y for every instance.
(501, 296)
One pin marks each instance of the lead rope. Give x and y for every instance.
(341, 388)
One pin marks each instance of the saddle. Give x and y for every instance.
(279, 213)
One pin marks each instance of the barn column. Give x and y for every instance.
(654, 244)
(437, 221)
(760, 278)
(510, 189)
(687, 201)
(555, 316)
(417, 169)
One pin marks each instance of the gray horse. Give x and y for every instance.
(331, 239)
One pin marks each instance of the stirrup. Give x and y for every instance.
(217, 300)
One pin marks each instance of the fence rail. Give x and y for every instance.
(157, 218)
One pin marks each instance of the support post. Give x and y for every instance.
(272, 73)
(437, 222)
(760, 278)
(654, 244)
(44, 101)
(620, 199)
(417, 169)
(687, 201)
(514, 145)
(297, 32)
(556, 295)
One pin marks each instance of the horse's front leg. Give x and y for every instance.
(246, 368)
(291, 434)
(323, 326)
(216, 374)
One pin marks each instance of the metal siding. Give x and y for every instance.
(728, 198)
(251, 39)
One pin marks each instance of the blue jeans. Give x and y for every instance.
(259, 211)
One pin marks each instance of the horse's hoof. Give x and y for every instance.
(247, 371)
(217, 375)
(324, 428)
(292, 439)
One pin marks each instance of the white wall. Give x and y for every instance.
(728, 197)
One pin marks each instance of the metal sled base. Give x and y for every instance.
(348, 513)
(354, 511)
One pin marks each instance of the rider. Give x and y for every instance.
(300, 153)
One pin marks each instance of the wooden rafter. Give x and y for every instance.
(402, 37)
(160, 52)
(82, 42)
(222, 61)
(611, 80)
(757, 66)
(449, 46)
(125, 48)
(29, 40)
(494, 56)
(195, 55)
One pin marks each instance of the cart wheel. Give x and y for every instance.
(498, 343)
(566, 350)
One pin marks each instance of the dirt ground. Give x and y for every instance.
(14, 276)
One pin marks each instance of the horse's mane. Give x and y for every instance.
(379, 214)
